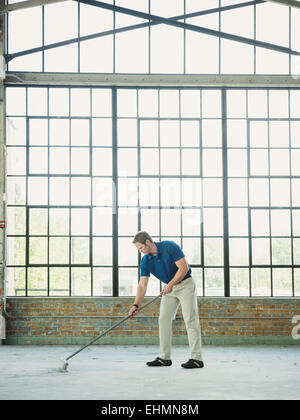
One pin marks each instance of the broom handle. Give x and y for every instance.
(111, 328)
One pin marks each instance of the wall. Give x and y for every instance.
(144, 329)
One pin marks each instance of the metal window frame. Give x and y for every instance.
(226, 236)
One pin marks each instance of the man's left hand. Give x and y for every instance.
(167, 289)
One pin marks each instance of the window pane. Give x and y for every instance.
(59, 250)
(16, 161)
(38, 250)
(260, 282)
(212, 162)
(166, 49)
(279, 162)
(16, 220)
(149, 161)
(59, 160)
(127, 132)
(15, 101)
(170, 192)
(59, 101)
(81, 281)
(128, 253)
(191, 192)
(80, 132)
(238, 222)
(59, 281)
(237, 162)
(212, 192)
(169, 162)
(37, 191)
(15, 251)
(102, 221)
(127, 162)
(213, 251)
(150, 221)
(148, 103)
(38, 221)
(80, 160)
(37, 281)
(169, 103)
(190, 134)
(128, 192)
(37, 101)
(59, 191)
(211, 133)
(58, 221)
(190, 162)
(281, 251)
(127, 221)
(213, 222)
(211, 103)
(59, 132)
(80, 191)
(259, 192)
(260, 225)
(149, 192)
(282, 282)
(236, 103)
(280, 192)
(16, 190)
(236, 133)
(169, 134)
(131, 51)
(238, 251)
(237, 192)
(80, 250)
(15, 131)
(192, 250)
(259, 134)
(102, 161)
(295, 159)
(279, 134)
(128, 281)
(296, 222)
(102, 251)
(260, 251)
(15, 281)
(214, 281)
(191, 222)
(80, 222)
(102, 132)
(80, 102)
(102, 282)
(103, 192)
(239, 282)
(280, 222)
(190, 104)
(127, 103)
(259, 162)
(38, 160)
(170, 222)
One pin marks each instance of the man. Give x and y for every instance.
(166, 261)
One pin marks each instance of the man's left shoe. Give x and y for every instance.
(192, 364)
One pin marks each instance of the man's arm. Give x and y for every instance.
(180, 273)
(140, 294)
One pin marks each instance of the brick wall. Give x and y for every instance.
(144, 328)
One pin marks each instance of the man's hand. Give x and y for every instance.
(133, 311)
(167, 289)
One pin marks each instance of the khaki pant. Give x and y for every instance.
(184, 293)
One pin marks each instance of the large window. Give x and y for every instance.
(215, 170)
(233, 37)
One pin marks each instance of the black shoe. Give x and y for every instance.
(192, 363)
(160, 362)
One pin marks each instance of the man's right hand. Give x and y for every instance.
(133, 311)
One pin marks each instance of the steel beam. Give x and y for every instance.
(27, 4)
(103, 79)
(290, 3)
(10, 57)
(188, 26)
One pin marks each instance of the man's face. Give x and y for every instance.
(143, 248)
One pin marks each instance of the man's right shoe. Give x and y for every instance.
(159, 362)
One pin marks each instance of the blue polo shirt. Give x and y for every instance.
(163, 264)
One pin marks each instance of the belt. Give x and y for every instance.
(185, 279)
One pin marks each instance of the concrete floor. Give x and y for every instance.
(105, 372)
